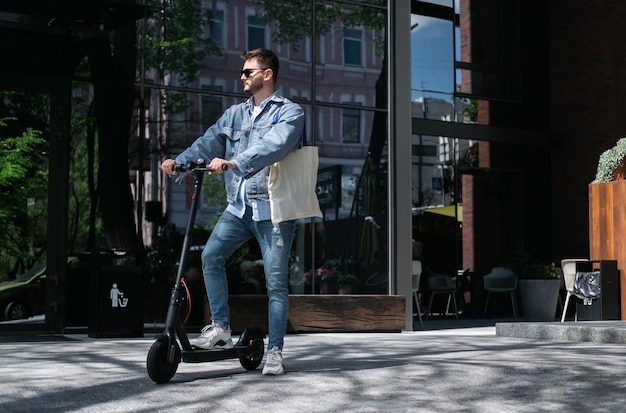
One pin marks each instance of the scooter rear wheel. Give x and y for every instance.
(160, 369)
(256, 346)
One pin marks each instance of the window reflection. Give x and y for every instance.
(338, 74)
(449, 3)
(432, 56)
(351, 126)
(216, 27)
(352, 47)
(256, 32)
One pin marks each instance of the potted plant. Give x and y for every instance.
(607, 232)
(539, 284)
(611, 165)
(346, 282)
(325, 278)
(334, 274)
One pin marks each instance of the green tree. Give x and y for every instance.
(85, 229)
(23, 195)
(175, 45)
(294, 17)
(100, 197)
(29, 121)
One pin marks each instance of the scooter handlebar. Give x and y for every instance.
(196, 167)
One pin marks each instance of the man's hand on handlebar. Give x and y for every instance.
(219, 165)
(168, 167)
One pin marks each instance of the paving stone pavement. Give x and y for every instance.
(441, 369)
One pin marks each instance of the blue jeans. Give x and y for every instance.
(275, 242)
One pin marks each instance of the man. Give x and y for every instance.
(242, 144)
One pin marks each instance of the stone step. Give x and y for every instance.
(591, 331)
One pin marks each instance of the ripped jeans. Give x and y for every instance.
(275, 243)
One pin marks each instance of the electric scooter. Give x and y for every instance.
(165, 354)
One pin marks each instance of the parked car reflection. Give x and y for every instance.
(26, 296)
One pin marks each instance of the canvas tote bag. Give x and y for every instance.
(292, 184)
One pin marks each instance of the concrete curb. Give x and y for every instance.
(585, 331)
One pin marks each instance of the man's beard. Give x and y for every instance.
(254, 86)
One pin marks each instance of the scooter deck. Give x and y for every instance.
(202, 355)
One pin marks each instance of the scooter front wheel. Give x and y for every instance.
(160, 369)
(256, 348)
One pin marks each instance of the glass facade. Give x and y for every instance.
(333, 65)
(436, 159)
(384, 160)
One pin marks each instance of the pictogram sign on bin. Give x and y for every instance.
(117, 303)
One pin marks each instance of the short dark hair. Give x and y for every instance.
(266, 59)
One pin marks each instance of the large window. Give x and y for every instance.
(216, 27)
(335, 74)
(352, 47)
(256, 32)
(432, 56)
(188, 74)
(351, 126)
(444, 66)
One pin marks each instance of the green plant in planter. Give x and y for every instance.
(610, 162)
(526, 265)
(546, 272)
(347, 280)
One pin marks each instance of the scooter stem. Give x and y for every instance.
(172, 327)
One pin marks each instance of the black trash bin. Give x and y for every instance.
(116, 302)
(607, 306)
(77, 296)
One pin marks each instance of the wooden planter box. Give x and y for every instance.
(607, 228)
(322, 313)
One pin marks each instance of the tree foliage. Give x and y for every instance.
(24, 179)
(294, 18)
(23, 195)
(175, 45)
(611, 163)
(175, 42)
(85, 228)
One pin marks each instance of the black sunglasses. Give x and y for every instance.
(248, 72)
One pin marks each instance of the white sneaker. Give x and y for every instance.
(274, 363)
(213, 336)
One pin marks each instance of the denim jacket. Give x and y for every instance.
(276, 132)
